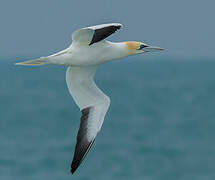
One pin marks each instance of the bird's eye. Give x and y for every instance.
(142, 46)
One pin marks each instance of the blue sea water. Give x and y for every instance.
(160, 125)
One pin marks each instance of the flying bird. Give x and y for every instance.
(88, 50)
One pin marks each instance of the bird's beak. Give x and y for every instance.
(152, 49)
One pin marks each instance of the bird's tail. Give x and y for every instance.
(35, 62)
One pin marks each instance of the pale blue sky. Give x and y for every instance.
(185, 28)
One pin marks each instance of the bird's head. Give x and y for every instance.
(134, 47)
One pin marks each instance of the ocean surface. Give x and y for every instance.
(160, 125)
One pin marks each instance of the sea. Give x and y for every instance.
(160, 125)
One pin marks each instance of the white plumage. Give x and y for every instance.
(80, 81)
(87, 51)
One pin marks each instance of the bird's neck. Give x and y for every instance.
(117, 50)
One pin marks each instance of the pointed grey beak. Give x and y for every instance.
(152, 49)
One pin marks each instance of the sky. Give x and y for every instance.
(32, 28)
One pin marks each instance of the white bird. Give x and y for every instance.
(87, 51)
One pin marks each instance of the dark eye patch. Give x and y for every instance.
(142, 46)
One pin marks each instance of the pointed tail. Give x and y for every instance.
(35, 62)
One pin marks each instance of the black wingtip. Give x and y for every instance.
(79, 156)
(73, 169)
(102, 33)
(75, 164)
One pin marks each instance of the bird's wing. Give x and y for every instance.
(95, 34)
(93, 104)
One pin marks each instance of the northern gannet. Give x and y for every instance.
(87, 51)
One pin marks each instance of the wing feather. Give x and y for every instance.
(94, 34)
(83, 145)
(93, 104)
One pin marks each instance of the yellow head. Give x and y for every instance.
(134, 47)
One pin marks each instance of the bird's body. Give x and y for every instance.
(84, 55)
(87, 51)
